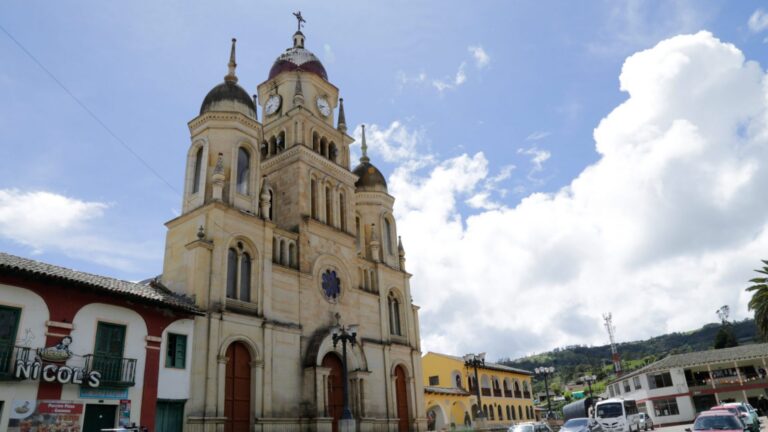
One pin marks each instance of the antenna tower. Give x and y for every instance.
(612, 336)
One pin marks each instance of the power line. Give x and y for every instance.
(90, 113)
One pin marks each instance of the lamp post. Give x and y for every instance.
(589, 379)
(345, 334)
(475, 361)
(546, 371)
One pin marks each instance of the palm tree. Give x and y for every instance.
(759, 301)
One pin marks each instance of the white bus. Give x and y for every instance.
(617, 415)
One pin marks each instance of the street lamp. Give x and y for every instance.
(345, 334)
(546, 371)
(475, 361)
(589, 379)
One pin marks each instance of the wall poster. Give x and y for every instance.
(45, 415)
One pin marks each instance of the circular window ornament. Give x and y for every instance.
(331, 285)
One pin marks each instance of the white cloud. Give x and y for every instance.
(662, 230)
(538, 135)
(49, 222)
(482, 59)
(538, 157)
(395, 143)
(758, 21)
(451, 83)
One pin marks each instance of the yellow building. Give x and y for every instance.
(450, 393)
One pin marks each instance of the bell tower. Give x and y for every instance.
(305, 150)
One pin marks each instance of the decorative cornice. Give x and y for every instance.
(200, 120)
(305, 154)
(374, 198)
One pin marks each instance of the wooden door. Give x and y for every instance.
(401, 397)
(237, 389)
(169, 416)
(335, 388)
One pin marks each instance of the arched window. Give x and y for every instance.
(282, 253)
(315, 142)
(514, 417)
(491, 411)
(485, 411)
(243, 171)
(239, 269)
(457, 379)
(500, 416)
(271, 205)
(394, 315)
(292, 255)
(388, 235)
(520, 412)
(245, 277)
(313, 198)
(272, 146)
(280, 142)
(342, 212)
(509, 416)
(264, 149)
(324, 147)
(198, 170)
(332, 151)
(328, 206)
(232, 273)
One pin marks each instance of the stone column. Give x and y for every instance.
(257, 370)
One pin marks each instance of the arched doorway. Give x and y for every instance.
(335, 388)
(401, 398)
(237, 389)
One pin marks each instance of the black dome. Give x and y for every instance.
(228, 91)
(369, 178)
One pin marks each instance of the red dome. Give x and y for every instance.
(298, 57)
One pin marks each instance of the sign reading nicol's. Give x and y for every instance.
(54, 370)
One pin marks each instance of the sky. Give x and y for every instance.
(551, 161)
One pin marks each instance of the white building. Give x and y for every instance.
(673, 390)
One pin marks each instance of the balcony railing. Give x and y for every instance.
(115, 371)
(486, 391)
(526, 395)
(508, 393)
(9, 356)
(518, 394)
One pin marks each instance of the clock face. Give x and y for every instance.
(323, 106)
(273, 104)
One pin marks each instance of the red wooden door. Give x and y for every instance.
(335, 388)
(401, 399)
(237, 389)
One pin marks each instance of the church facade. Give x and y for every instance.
(279, 241)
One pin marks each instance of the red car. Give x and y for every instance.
(717, 420)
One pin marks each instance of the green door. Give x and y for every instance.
(108, 352)
(169, 416)
(9, 323)
(98, 417)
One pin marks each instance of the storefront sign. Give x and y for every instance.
(45, 415)
(35, 370)
(103, 393)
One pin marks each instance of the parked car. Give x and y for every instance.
(720, 420)
(747, 408)
(743, 416)
(646, 422)
(579, 424)
(530, 427)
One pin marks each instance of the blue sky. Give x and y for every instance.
(507, 93)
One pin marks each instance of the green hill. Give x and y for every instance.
(573, 361)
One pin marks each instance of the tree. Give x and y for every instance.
(759, 301)
(725, 337)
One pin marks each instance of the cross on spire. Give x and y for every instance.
(300, 19)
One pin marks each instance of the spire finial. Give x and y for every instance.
(342, 126)
(300, 20)
(232, 64)
(364, 148)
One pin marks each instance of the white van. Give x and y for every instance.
(617, 415)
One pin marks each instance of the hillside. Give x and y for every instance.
(571, 362)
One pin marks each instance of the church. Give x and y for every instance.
(286, 247)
